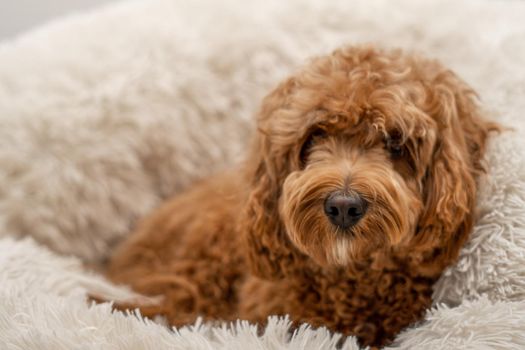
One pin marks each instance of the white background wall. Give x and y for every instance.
(18, 16)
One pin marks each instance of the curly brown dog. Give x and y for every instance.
(358, 191)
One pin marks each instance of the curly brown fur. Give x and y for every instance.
(400, 131)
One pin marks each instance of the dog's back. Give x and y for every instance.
(187, 251)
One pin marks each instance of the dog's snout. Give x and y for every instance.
(344, 210)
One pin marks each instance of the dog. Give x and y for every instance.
(358, 190)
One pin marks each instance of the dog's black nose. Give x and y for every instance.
(344, 210)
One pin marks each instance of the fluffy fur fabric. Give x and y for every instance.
(86, 116)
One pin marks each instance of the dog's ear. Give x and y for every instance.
(269, 250)
(450, 183)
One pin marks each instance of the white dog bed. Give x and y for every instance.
(103, 115)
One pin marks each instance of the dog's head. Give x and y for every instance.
(363, 151)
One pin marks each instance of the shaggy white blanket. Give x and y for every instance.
(105, 114)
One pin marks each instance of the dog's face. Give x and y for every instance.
(359, 185)
(364, 150)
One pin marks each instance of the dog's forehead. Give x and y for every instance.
(352, 98)
(372, 121)
(362, 109)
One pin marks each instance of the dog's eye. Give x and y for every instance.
(396, 151)
(395, 147)
(394, 144)
(310, 141)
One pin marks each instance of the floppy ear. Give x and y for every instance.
(451, 179)
(270, 253)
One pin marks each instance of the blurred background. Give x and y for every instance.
(20, 16)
